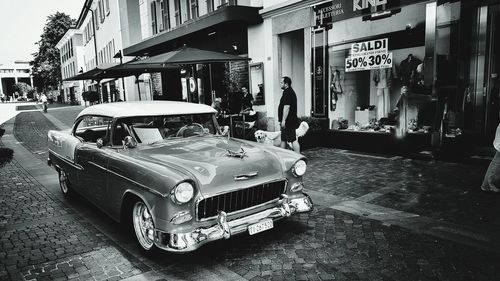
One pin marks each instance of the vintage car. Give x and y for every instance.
(173, 175)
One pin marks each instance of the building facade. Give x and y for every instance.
(103, 35)
(215, 25)
(71, 53)
(12, 73)
(397, 68)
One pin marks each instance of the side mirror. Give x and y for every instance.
(100, 143)
(129, 142)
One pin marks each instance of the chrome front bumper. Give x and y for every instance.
(190, 241)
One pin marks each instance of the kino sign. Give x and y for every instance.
(358, 5)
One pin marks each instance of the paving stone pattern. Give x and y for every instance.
(325, 244)
(440, 190)
(31, 129)
(40, 238)
(333, 245)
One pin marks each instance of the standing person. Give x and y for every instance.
(287, 114)
(491, 180)
(247, 101)
(43, 99)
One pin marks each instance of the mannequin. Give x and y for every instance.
(408, 70)
(383, 81)
(335, 87)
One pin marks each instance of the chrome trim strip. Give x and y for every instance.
(130, 180)
(67, 161)
(239, 211)
(245, 176)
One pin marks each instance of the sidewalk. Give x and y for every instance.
(44, 238)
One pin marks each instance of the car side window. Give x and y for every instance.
(92, 128)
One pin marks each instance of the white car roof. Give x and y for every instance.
(145, 108)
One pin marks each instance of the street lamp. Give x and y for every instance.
(120, 56)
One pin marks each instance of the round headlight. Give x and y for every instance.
(299, 168)
(183, 192)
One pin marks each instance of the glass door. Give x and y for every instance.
(492, 70)
(482, 95)
(319, 73)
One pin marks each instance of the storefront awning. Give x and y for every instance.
(187, 55)
(92, 74)
(169, 60)
(224, 15)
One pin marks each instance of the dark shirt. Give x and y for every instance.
(408, 70)
(247, 101)
(235, 102)
(288, 98)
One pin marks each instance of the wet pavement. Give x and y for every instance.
(377, 217)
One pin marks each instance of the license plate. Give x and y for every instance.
(260, 226)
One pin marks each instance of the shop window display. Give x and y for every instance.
(384, 91)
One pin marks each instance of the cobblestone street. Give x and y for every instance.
(377, 217)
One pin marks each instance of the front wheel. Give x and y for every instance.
(143, 226)
(64, 184)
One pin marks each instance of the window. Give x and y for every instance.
(193, 4)
(210, 5)
(91, 29)
(92, 128)
(96, 20)
(71, 47)
(100, 5)
(106, 2)
(149, 129)
(154, 19)
(365, 88)
(257, 83)
(165, 16)
(177, 9)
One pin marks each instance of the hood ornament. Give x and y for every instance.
(240, 153)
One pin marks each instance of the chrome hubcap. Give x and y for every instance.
(63, 181)
(143, 225)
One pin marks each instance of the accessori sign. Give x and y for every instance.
(327, 12)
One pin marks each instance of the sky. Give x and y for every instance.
(22, 22)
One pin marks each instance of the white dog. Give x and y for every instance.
(274, 138)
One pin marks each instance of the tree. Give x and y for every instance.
(46, 63)
(23, 89)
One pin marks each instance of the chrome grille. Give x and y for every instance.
(240, 199)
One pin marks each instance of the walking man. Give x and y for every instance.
(43, 99)
(287, 115)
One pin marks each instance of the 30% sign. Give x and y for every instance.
(368, 62)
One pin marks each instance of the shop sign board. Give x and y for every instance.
(331, 11)
(327, 12)
(369, 55)
(359, 5)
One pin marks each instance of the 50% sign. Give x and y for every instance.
(367, 62)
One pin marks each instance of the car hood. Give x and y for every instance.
(207, 160)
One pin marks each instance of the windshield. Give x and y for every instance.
(150, 129)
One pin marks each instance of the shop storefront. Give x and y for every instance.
(407, 69)
(370, 60)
